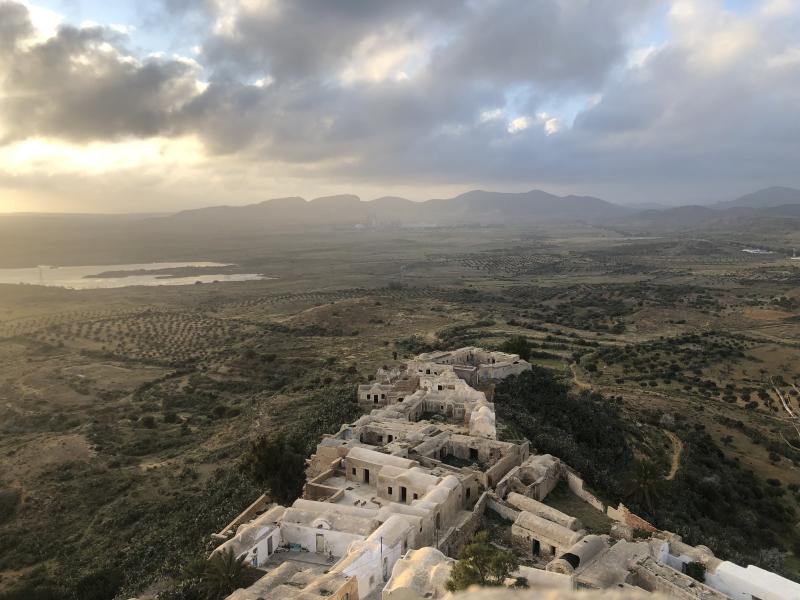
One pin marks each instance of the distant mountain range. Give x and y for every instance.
(472, 208)
(775, 208)
(485, 208)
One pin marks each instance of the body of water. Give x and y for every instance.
(85, 277)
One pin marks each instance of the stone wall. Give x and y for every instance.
(500, 468)
(502, 509)
(576, 485)
(623, 515)
(348, 591)
(664, 580)
(462, 532)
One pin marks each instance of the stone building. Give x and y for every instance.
(392, 496)
(473, 365)
(411, 474)
(421, 574)
(539, 536)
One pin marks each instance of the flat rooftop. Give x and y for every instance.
(355, 493)
(318, 562)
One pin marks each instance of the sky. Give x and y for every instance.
(162, 105)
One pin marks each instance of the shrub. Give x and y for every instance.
(9, 500)
(480, 563)
(279, 464)
(696, 570)
(102, 584)
(517, 345)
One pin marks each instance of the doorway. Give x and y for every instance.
(366, 475)
(536, 548)
(320, 543)
(403, 494)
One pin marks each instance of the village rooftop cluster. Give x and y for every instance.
(391, 499)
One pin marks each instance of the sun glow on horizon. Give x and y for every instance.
(43, 156)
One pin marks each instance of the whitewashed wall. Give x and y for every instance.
(336, 542)
(744, 584)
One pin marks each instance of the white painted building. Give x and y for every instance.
(387, 493)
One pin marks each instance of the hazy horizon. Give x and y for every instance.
(164, 105)
(143, 213)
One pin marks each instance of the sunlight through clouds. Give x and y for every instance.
(50, 157)
(433, 95)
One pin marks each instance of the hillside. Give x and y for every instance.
(766, 198)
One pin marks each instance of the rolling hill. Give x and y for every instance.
(766, 198)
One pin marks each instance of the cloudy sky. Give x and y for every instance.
(157, 105)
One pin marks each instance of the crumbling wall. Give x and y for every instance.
(660, 579)
(511, 483)
(575, 484)
(623, 515)
(324, 459)
(463, 531)
(321, 493)
(500, 468)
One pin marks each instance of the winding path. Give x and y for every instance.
(578, 383)
(677, 444)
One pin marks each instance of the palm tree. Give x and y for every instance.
(645, 482)
(222, 574)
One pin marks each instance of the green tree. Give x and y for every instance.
(518, 344)
(480, 563)
(279, 464)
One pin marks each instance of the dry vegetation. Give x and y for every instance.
(124, 413)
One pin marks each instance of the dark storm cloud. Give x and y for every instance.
(473, 51)
(293, 39)
(555, 43)
(81, 85)
(14, 25)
